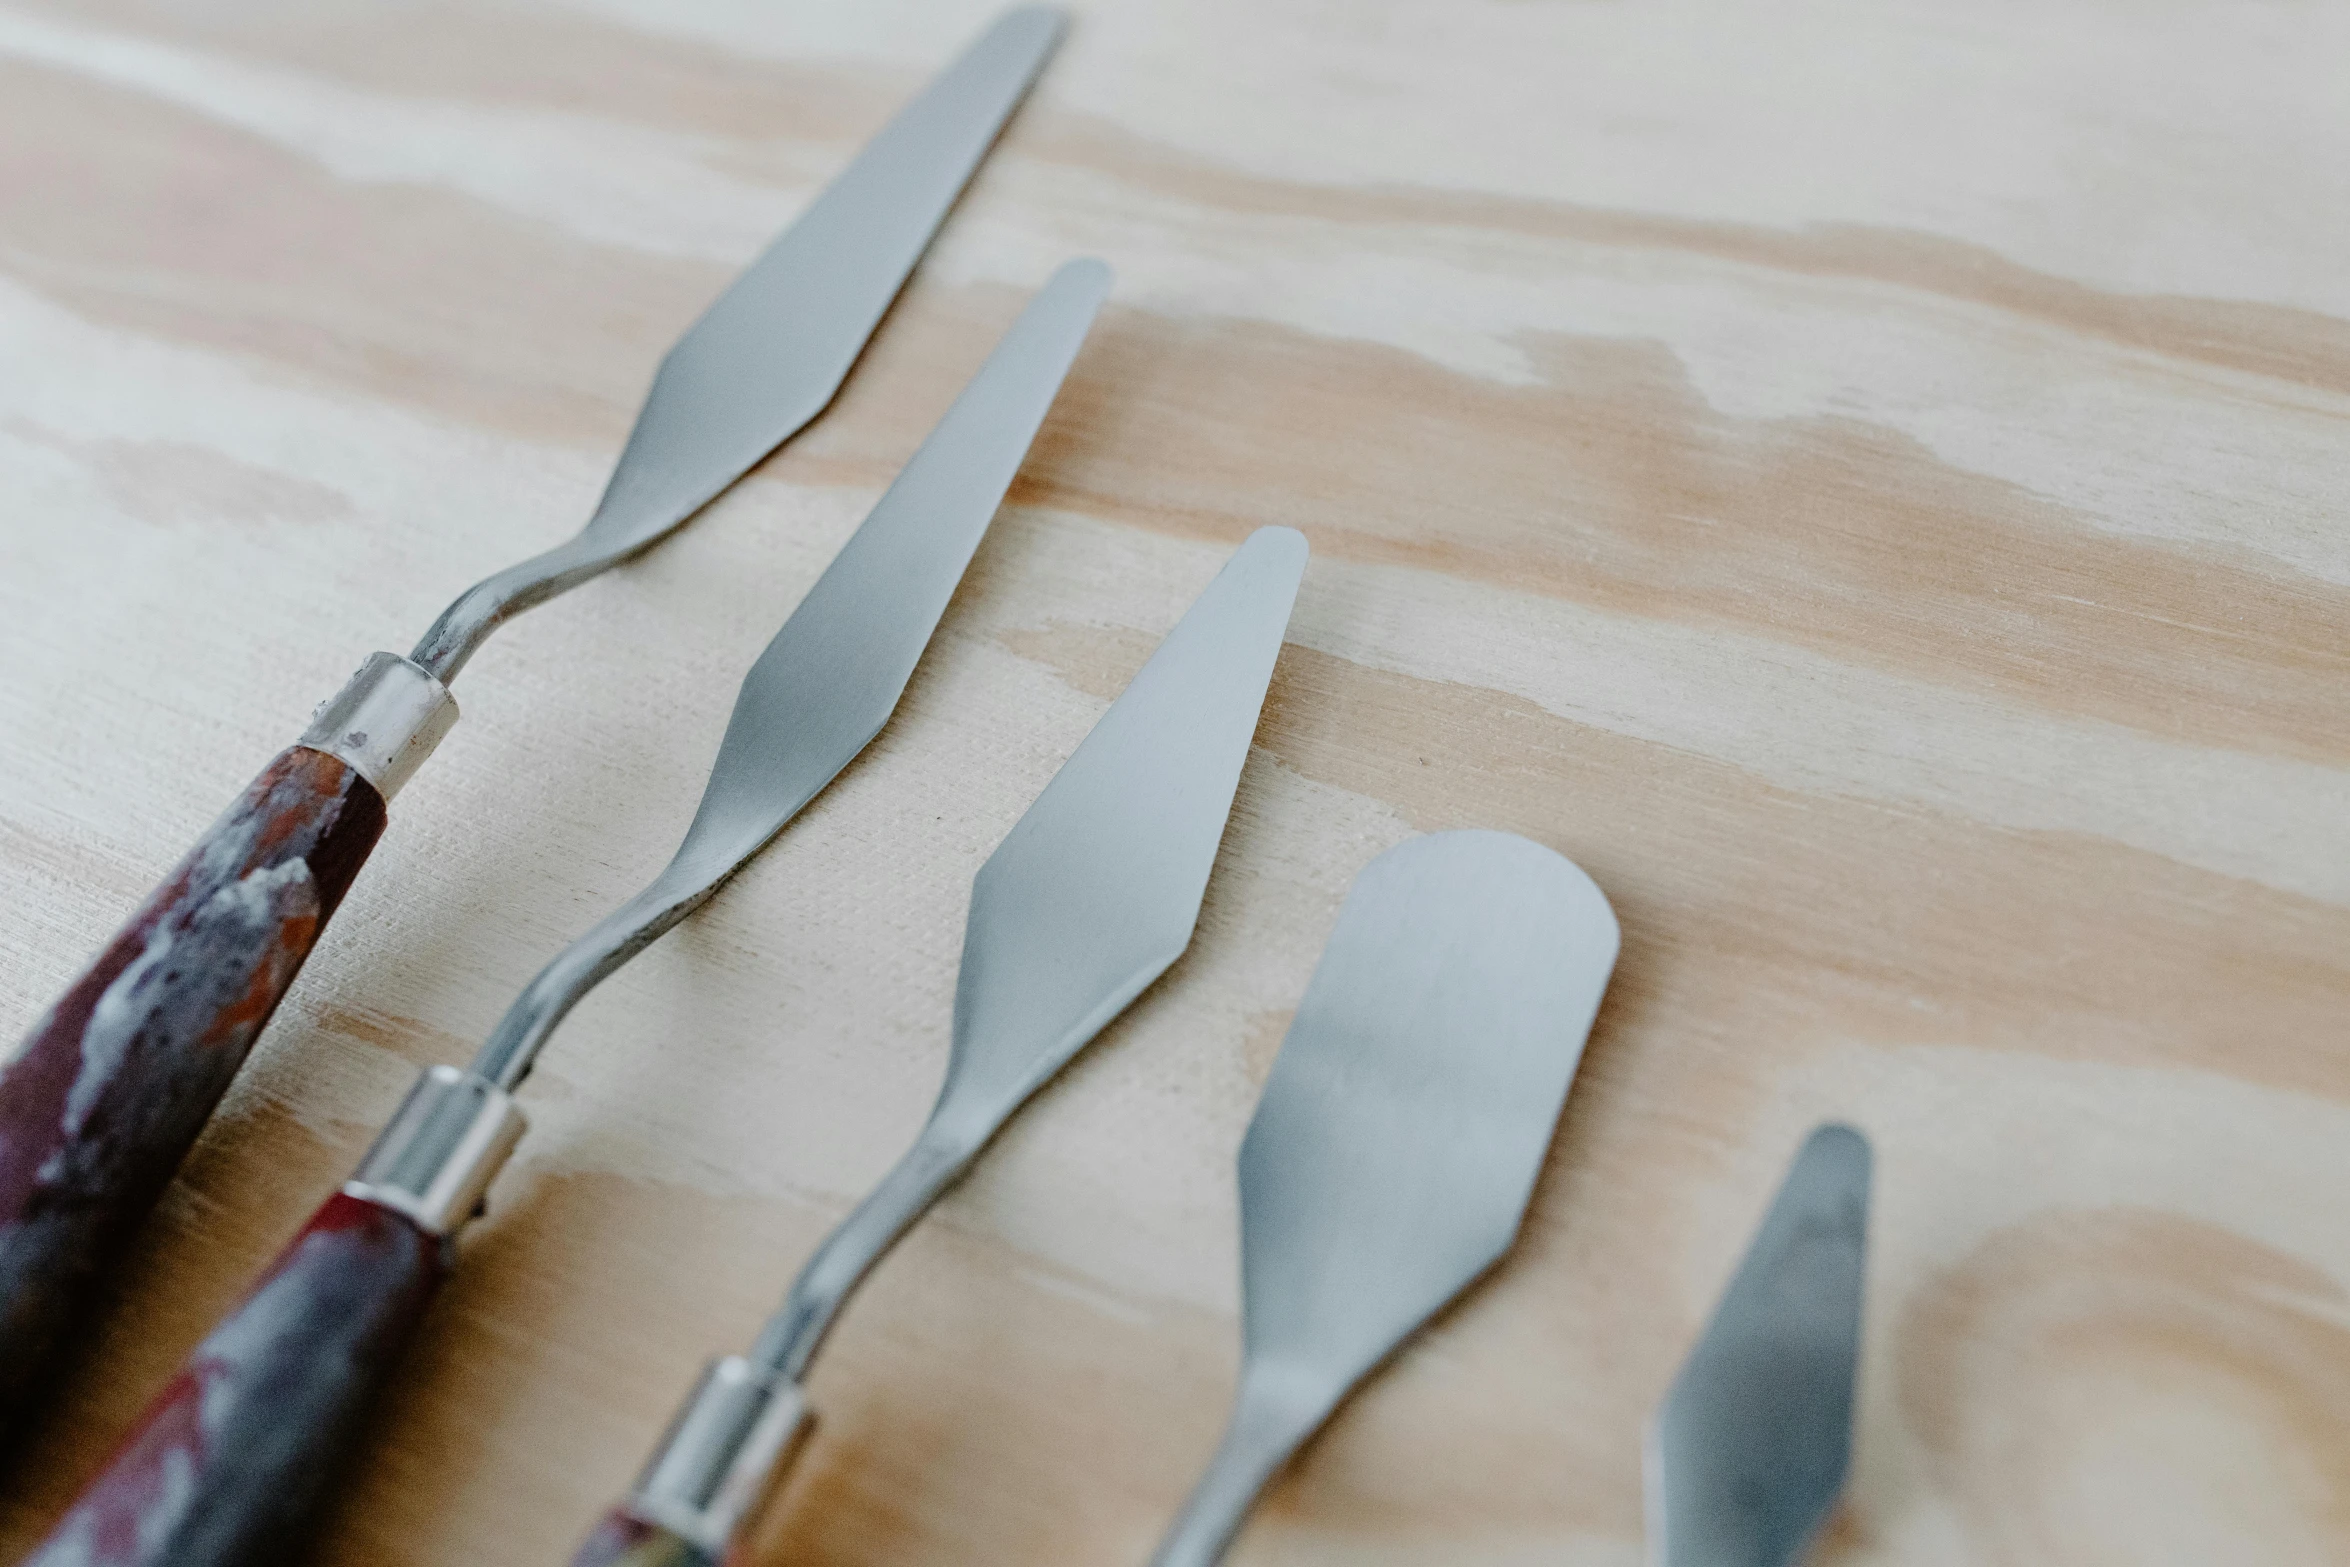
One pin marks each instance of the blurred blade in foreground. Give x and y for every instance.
(1747, 1454)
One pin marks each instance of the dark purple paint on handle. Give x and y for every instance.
(624, 1540)
(118, 1078)
(228, 1465)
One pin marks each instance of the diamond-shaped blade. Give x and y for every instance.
(1089, 898)
(772, 351)
(1095, 891)
(1747, 1454)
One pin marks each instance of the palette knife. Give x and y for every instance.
(230, 1461)
(107, 1093)
(1395, 1148)
(1747, 1454)
(1089, 899)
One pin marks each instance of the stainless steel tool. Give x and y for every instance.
(1396, 1146)
(1088, 900)
(1747, 1453)
(110, 1089)
(227, 1464)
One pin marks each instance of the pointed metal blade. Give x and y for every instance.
(1095, 891)
(1748, 1452)
(834, 673)
(1401, 1129)
(829, 681)
(1088, 899)
(772, 351)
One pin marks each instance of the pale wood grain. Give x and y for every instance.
(1864, 479)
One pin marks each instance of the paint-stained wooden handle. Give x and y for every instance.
(228, 1465)
(118, 1078)
(623, 1540)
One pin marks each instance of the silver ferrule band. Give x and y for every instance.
(385, 721)
(723, 1455)
(434, 1161)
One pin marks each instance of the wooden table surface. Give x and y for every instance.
(1864, 479)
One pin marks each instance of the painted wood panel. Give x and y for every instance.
(1863, 479)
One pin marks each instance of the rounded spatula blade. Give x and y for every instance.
(1400, 1133)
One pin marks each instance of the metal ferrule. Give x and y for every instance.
(724, 1453)
(433, 1162)
(385, 721)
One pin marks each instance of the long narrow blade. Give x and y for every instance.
(831, 677)
(1095, 891)
(774, 349)
(1401, 1129)
(833, 674)
(1748, 1452)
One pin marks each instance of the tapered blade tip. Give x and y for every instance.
(1045, 23)
(1098, 888)
(1280, 544)
(1088, 276)
(1839, 1153)
(1747, 1454)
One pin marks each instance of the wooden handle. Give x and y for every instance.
(227, 1466)
(118, 1078)
(624, 1540)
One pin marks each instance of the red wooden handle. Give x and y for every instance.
(624, 1540)
(118, 1078)
(229, 1463)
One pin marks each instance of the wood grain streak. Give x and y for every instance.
(1613, 484)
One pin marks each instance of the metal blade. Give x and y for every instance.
(1747, 1454)
(830, 679)
(1096, 890)
(1089, 898)
(773, 350)
(1401, 1129)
